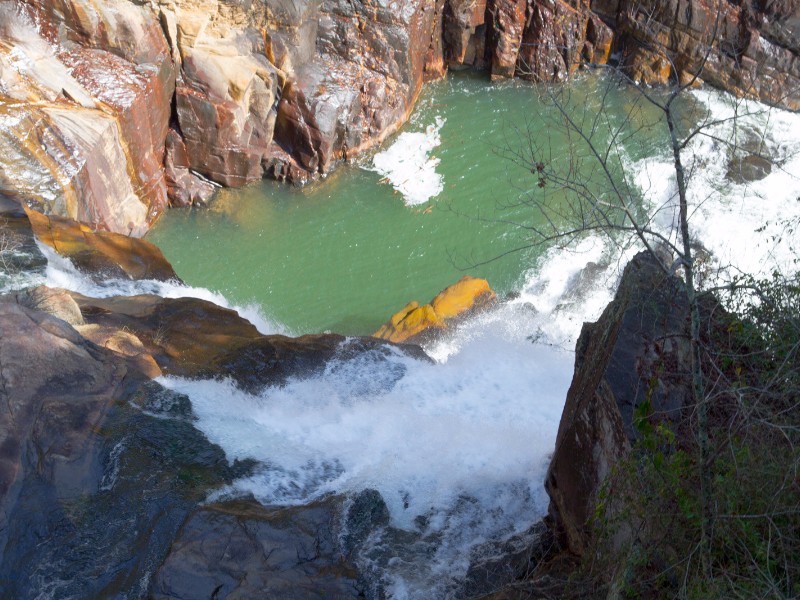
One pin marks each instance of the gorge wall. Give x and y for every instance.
(110, 110)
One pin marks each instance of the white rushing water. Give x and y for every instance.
(465, 442)
(409, 166)
(61, 273)
(746, 227)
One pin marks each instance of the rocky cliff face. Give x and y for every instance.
(85, 92)
(637, 350)
(107, 108)
(102, 472)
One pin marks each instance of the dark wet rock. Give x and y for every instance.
(498, 564)
(638, 350)
(749, 168)
(89, 484)
(195, 338)
(101, 254)
(367, 511)
(240, 549)
(18, 249)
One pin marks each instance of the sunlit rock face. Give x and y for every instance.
(753, 52)
(288, 89)
(85, 92)
(109, 108)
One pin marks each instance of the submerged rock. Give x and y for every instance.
(748, 168)
(455, 302)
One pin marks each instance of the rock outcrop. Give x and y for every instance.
(638, 350)
(749, 49)
(101, 254)
(415, 323)
(85, 96)
(102, 472)
(195, 338)
(107, 108)
(289, 89)
(89, 483)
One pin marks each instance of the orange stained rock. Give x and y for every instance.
(466, 294)
(95, 251)
(457, 300)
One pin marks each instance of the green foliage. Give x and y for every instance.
(648, 514)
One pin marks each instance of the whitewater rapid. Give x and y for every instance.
(459, 448)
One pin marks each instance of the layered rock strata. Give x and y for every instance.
(85, 93)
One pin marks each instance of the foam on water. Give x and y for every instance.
(463, 443)
(408, 165)
(742, 225)
(61, 273)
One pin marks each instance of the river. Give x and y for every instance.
(458, 449)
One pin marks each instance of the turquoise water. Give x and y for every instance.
(345, 253)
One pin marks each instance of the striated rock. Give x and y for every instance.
(463, 32)
(553, 44)
(750, 49)
(287, 89)
(619, 363)
(101, 254)
(225, 97)
(184, 187)
(465, 297)
(505, 34)
(241, 549)
(85, 93)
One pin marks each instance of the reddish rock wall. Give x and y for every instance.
(287, 89)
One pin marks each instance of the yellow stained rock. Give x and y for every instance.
(466, 294)
(455, 301)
